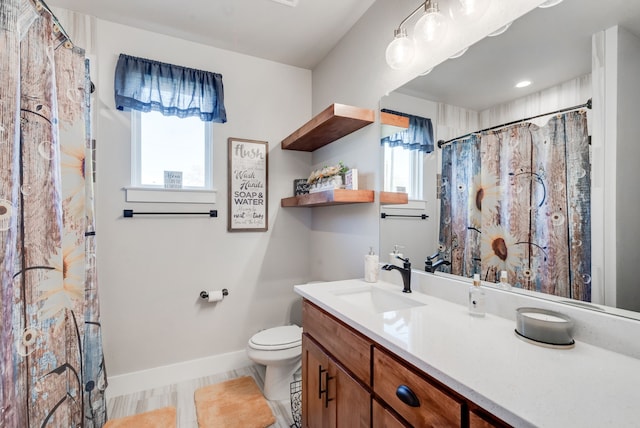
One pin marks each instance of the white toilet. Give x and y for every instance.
(280, 350)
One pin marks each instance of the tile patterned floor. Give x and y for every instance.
(180, 395)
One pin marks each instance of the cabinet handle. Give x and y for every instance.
(327, 378)
(407, 396)
(320, 390)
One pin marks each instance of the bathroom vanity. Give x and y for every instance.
(373, 356)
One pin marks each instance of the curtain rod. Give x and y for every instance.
(588, 105)
(40, 4)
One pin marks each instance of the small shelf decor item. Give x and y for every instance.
(327, 178)
(248, 185)
(300, 186)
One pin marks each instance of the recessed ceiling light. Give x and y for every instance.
(523, 84)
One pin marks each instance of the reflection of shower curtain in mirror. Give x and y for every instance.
(518, 199)
(51, 358)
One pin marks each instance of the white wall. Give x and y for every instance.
(355, 73)
(151, 270)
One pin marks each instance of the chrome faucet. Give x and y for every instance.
(405, 271)
(433, 261)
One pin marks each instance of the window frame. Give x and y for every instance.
(138, 192)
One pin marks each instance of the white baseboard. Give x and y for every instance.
(174, 373)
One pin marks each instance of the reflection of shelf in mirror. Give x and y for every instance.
(394, 198)
(329, 197)
(392, 123)
(332, 123)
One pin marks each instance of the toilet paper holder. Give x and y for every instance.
(205, 294)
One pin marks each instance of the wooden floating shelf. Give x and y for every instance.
(329, 197)
(331, 124)
(392, 198)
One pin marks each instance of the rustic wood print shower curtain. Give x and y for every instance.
(518, 199)
(51, 358)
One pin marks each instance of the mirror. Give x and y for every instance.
(553, 49)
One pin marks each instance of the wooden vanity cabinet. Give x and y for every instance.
(349, 381)
(331, 397)
(383, 418)
(479, 418)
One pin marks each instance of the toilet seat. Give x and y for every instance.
(277, 338)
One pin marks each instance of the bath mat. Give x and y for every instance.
(234, 403)
(159, 418)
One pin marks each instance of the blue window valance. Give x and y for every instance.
(419, 135)
(147, 85)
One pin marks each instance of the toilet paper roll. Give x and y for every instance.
(215, 295)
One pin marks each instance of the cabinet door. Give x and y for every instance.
(353, 402)
(331, 398)
(318, 409)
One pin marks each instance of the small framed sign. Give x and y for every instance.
(300, 186)
(173, 179)
(248, 185)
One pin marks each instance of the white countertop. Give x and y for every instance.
(482, 359)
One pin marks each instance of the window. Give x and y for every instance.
(172, 111)
(169, 143)
(404, 155)
(403, 171)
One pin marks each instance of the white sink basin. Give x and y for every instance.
(376, 300)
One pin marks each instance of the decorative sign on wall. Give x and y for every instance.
(248, 185)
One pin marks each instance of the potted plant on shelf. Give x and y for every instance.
(327, 178)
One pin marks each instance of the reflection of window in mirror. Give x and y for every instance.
(404, 153)
(403, 171)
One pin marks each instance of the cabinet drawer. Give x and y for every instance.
(346, 345)
(433, 407)
(481, 419)
(382, 418)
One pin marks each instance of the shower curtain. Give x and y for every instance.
(518, 199)
(51, 358)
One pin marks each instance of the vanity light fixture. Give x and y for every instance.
(550, 3)
(459, 53)
(431, 27)
(424, 73)
(468, 10)
(400, 52)
(500, 30)
(523, 84)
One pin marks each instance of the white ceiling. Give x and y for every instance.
(271, 29)
(546, 46)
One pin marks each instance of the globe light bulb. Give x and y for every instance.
(550, 3)
(431, 27)
(401, 50)
(468, 10)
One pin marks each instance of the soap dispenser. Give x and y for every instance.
(393, 256)
(371, 266)
(504, 280)
(476, 298)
